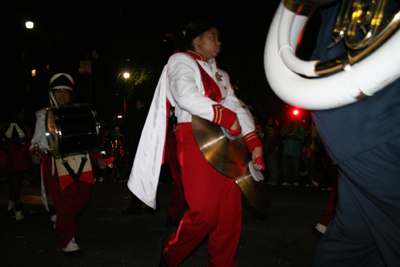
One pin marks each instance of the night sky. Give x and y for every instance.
(122, 34)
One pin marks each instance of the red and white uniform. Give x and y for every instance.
(186, 92)
(68, 202)
(194, 87)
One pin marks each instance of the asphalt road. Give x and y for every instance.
(109, 238)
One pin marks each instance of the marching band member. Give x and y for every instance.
(193, 84)
(366, 228)
(355, 98)
(69, 201)
(15, 157)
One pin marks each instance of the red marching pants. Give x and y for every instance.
(177, 203)
(68, 202)
(215, 207)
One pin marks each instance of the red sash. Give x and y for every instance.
(211, 89)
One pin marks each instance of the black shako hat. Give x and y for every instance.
(196, 28)
(61, 81)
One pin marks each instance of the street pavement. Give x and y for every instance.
(109, 238)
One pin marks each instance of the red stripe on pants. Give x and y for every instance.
(68, 202)
(215, 207)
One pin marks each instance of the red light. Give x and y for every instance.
(296, 112)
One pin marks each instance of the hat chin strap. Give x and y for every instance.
(53, 101)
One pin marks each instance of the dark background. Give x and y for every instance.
(123, 35)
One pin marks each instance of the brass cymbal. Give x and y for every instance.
(254, 192)
(229, 157)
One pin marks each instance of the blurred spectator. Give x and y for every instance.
(259, 131)
(271, 145)
(309, 153)
(284, 124)
(272, 122)
(132, 130)
(293, 136)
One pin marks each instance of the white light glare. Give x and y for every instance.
(29, 24)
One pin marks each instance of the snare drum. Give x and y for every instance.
(72, 130)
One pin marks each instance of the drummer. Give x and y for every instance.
(73, 199)
(195, 86)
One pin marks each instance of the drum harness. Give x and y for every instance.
(76, 176)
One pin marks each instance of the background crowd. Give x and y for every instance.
(294, 154)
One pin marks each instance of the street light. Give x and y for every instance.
(29, 25)
(126, 76)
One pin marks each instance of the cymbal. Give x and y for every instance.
(231, 158)
(228, 156)
(254, 192)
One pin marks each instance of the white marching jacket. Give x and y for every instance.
(182, 84)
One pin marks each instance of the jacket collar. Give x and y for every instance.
(195, 55)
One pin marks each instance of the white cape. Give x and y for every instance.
(143, 180)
